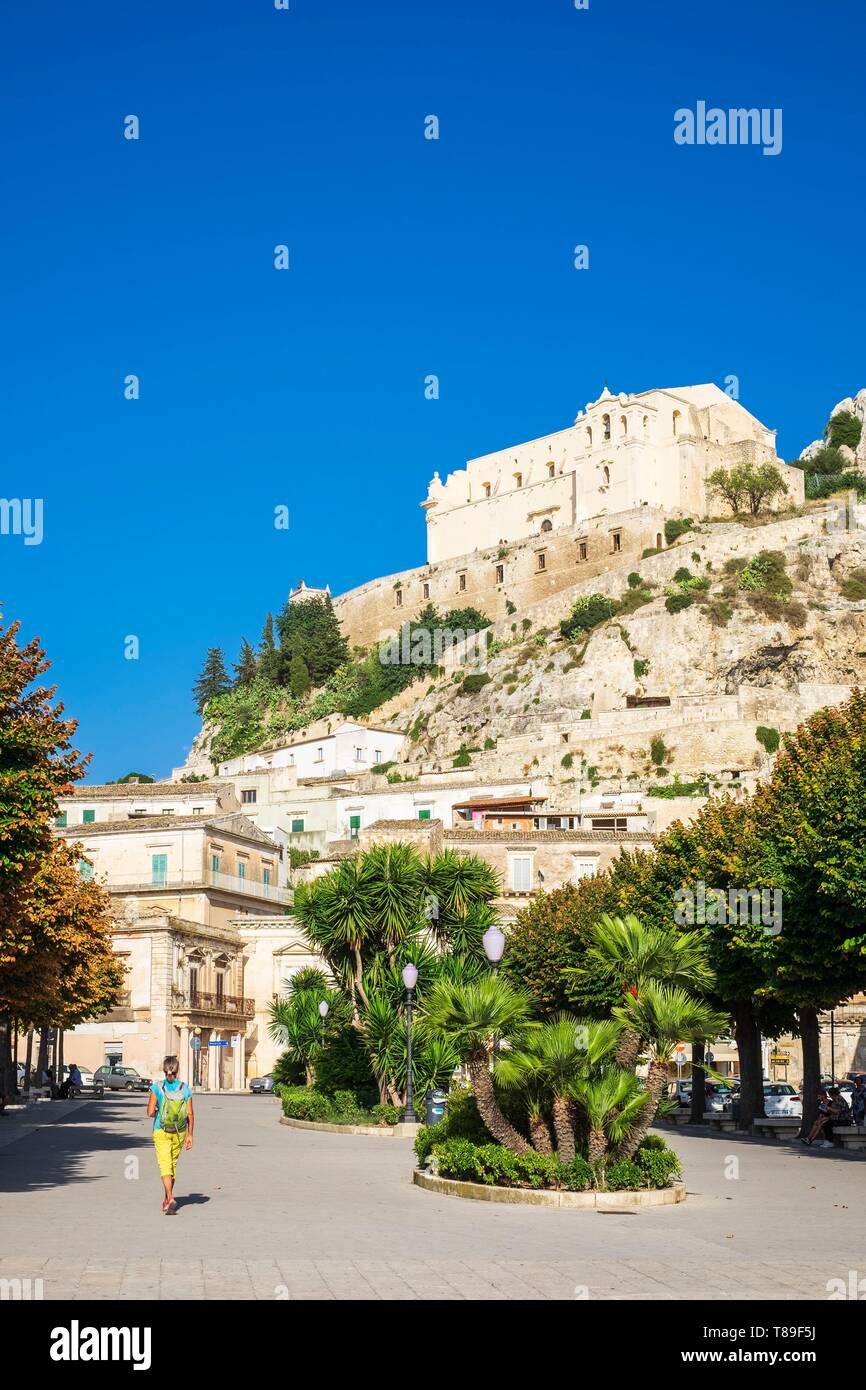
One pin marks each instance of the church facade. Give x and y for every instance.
(655, 449)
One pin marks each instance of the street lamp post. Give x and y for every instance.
(410, 979)
(493, 942)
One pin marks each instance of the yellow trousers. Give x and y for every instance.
(168, 1147)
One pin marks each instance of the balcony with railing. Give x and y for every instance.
(232, 1006)
(190, 881)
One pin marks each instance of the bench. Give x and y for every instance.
(720, 1119)
(850, 1136)
(681, 1116)
(777, 1126)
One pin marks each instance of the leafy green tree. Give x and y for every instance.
(756, 484)
(811, 844)
(131, 777)
(843, 429)
(246, 665)
(37, 764)
(212, 681)
(549, 941)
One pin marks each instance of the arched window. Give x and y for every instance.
(606, 475)
(623, 426)
(589, 436)
(658, 540)
(547, 524)
(518, 480)
(645, 424)
(551, 470)
(605, 421)
(676, 422)
(486, 487)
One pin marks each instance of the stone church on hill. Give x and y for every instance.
(654, 449)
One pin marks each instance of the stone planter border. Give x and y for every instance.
(532, 1197)
(400, 1131)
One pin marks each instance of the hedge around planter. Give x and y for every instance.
(547, 1197)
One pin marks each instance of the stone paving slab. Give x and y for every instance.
(269, 1214)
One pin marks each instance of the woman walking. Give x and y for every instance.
(170, 1105)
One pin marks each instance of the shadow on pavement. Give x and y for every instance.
(192, 1199)
(53, 1154)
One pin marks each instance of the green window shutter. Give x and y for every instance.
(266, 877)
(423, 815)
(214, 863)
(88, 817)
(297, 827)
(85, 869)
(158, 870)
(60, 821)
(242, 869)
(354, 826)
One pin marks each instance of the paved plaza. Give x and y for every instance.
(269, 1212)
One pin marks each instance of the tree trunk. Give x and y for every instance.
(657, 1080)
(60, 1056)
(42, 1057)
(751, 1069)
(628, 1049)
(7, 1070)
(596, 1147)
(539, 1134)
(810, 1037)
(28, 1060)
(699, 1085)
(563, 1127)
(502, 1131)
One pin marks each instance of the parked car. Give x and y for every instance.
(719, 1096)
(262, 1085)
(121, 1079)
(781, 1098)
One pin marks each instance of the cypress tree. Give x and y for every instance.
(246, 665)
(213, 680)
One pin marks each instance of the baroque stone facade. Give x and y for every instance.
(655, 449)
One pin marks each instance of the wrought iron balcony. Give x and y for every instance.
(205, 1002)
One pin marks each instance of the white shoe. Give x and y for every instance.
(825, 1144)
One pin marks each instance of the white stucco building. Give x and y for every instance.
(348, 748)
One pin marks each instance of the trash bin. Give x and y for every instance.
(735, 1109)
(435, 1106)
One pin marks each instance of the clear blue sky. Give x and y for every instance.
(408, 257)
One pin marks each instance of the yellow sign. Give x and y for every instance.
(781, 1057)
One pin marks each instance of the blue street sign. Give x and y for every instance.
(223, 1042)
(195, 1043)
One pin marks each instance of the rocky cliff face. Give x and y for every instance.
(660, 693)
(852, 405)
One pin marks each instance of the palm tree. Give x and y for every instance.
(611, 1101)
(546, 1065)
(661, 1015)
(626, 952)
(469, 1016)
